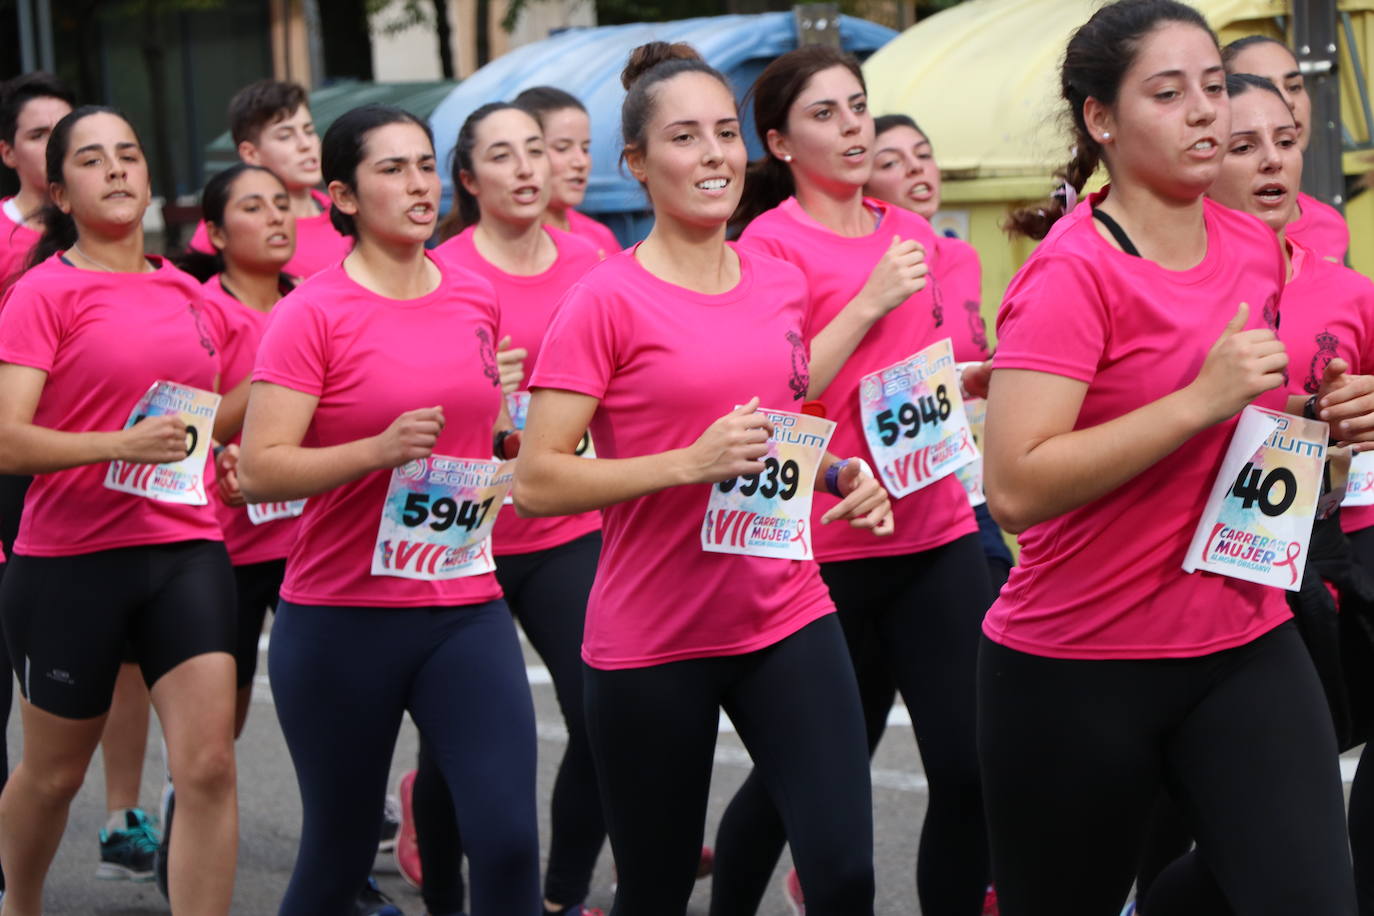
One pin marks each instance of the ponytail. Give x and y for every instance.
(1035, 221)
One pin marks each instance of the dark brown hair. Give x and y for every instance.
(1232, 50)
(1099, 53)
(649, 65)
(343, 149)
(769, 180)
(21, 90)
(261, 104)
(545, 100)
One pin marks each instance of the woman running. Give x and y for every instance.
(910, 605)
(249, 223)
(905, 173)
(682, 333)
(1317, 226)
(567, 143)
(379, 363)
(501, 178)
(86, 333)
(1107, 673)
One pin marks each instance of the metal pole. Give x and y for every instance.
(817, 24)
(1314, 42)
(45, 52)
(28, 60)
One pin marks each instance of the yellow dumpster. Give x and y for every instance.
(981, 79)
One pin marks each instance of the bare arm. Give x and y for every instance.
(275, 467)
(26, 448)
(1038, 466)
(550, 478)
(232, 405)
(900, 274)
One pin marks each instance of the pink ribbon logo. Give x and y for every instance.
(1294, 551)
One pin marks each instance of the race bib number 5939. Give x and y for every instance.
(437, 518)
(766, 514)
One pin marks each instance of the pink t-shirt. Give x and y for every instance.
(1320, 229)
(104, 339)
(369, 359)
(1106, 580)
(16, 241)
(665, 363)
(243, 330)
(527, 304)
(318, 243)
(836, 268)
(961, 286)
(1327, 311)
(598, 233)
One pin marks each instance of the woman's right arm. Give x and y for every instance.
(1037, 466)
(551, 479)
(275, 467)
(26, 448)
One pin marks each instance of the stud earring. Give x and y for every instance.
(787, 158)
(1106, 136)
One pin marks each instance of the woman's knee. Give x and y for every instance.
(207, 770)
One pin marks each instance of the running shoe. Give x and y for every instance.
(128, 854)
(169, 804)
(372, 902)
(391, 823)
(1128, 909)
(791, 891)
(706, 863)
(407, 845)
(990, 902)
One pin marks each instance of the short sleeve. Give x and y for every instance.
(579, 352)
(293, 352)
(31, 327)
(1364, 305)
(1053, 319)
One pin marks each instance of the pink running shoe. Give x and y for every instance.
(706, 863)
(407, 847)
(990, 902)
(791, 889)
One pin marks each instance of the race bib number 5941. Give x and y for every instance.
(914, 421)
(177, 481)
(437, 518)
(766, 514)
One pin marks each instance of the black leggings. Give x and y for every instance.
(547, 591)
(257, 586)
(1362, 788)
(1075, 753)
(795, 706)
(913, 620)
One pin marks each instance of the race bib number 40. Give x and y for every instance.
(178, 481)
(766, 515)
(437, 518)
(914, 421)
(1258, 518)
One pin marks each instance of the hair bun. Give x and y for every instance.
(647, 56)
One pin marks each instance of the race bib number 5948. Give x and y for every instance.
(914, 421)
(437, 518)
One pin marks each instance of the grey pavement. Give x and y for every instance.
(269, 818)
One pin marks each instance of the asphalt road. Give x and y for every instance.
(269, 811)
(270, 817)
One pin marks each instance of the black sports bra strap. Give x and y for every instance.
(1117, 232)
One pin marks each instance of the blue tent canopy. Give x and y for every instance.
(587, 63)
